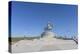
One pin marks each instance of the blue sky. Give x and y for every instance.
(31, 18)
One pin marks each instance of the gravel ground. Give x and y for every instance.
(43, 45)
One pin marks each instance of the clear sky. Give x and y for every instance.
(31, 18)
